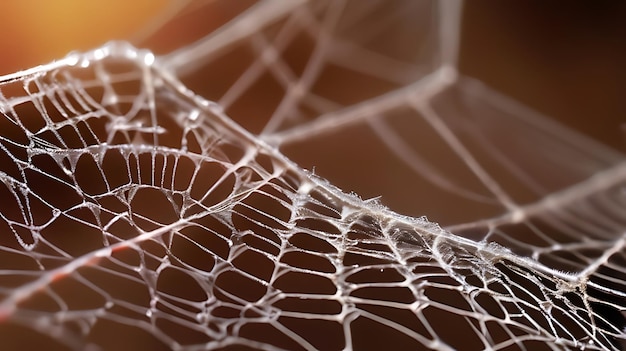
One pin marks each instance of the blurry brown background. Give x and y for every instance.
(35, 32)
(566, 59)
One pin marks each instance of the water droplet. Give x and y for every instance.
(546, 306)
(148, 58)
(201, 317)
(194, 114)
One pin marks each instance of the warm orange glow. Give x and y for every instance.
(36, 32)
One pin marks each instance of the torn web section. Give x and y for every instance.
(316, 59)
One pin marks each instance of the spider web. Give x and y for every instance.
(152, 202)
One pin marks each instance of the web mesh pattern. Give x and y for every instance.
(138, 214)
